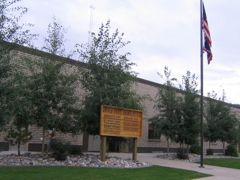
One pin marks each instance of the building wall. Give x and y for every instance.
(142, 87)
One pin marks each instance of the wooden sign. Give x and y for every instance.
(120, 122)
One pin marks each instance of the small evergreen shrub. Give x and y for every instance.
(195, 149)
(209, 152)
(75, 150)
(60, 149)
(231, 150)
(182, 153)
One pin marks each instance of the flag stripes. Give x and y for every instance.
(207, 36)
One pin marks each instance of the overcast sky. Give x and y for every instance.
(162, 33)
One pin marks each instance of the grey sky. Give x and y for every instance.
(162, 32)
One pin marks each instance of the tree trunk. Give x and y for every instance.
(43, 140)
(223, 148)
(187, 149)
(18, 146)
(85, 142)
(168, 145)
(238, 147)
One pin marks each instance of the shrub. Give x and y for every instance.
(195, 149)
(60, 149)
(209, 152)
(231, 150)
(75, 150)
(182, 153)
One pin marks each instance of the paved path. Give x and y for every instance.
(218, 173)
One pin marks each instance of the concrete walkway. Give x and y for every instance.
(218, 173)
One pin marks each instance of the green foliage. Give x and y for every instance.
(167, 106)
(60, 149)
(188, 129)
(20, 107)
(195, 149)
(54, 95)
(18, 135)
(238, 132)
(6, 70)
(10, 29)
(54, 42)
(108, 79)
(213, 108)
(231, 150)
(178, 117)
(75, 150)
(182, 153)
(221, 123)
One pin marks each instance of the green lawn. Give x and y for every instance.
(72, 173)
(230, 163)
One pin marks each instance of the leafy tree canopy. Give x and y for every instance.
(10, 29)
(188, 129)
(167, 106)
(54, 42)
(108, 79)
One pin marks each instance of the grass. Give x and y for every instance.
(73, 173)
(230, 163)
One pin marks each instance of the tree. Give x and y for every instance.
(54, 42)
(10, 29)
(108, 79)
(54, 88)
(221, 123)
(21, 111)
(54, 96)
(167, 106)
(188, 129)
(238, 135)
(227, 123)
(6, 70)
(213, 108)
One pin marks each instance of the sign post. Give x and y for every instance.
(120, 122)
(103, 148)
(134, 153)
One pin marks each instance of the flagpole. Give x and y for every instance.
(201, 72)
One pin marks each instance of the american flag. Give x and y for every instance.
(207, 36)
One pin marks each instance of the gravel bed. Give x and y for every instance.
(173, 156)
(86, 160)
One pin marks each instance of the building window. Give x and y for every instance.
(152, 132)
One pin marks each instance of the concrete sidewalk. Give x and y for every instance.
(218, 173)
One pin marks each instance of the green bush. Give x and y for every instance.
(182, 153)
(209, 152)
(60, 149)
(195, 149)
(231, 150)
(75, 150)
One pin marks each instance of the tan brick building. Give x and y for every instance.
(146, 143)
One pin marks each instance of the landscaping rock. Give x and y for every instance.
(87, 160)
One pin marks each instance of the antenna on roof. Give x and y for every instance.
(92, 8)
